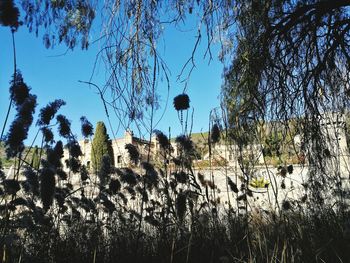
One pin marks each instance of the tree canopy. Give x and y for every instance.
(291, 59)
(283, 58)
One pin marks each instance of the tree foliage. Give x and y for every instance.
(291, 59)
(71, 20)
(35, 162)
(283, 58)
(101, 146)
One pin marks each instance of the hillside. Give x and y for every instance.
(9, 162)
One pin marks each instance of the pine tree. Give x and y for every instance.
(101, 146)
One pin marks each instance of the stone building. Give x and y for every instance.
(121, 155)
(231, 153)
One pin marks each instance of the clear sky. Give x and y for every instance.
(54, 76)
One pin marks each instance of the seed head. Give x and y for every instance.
(181, 102)
(19, 90)
(162, 139)
(63, 126)
(86, 127)
(133, 152)
(48, 135)
(181, 205)
(114, 186)
(215, 133)
(48, 112)
(181, 177)
(232, 185)
(286, 205)
(185, 142)
(47, 187)
(9, 14)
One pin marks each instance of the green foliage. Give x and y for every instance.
(272, 144)
(101, 146)
(72, 19)
(35, 163)
(8, 162)
(259, 182)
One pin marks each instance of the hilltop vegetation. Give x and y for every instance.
(28, 155)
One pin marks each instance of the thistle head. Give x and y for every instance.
(151, 177)
(74, 149)
(185, 143)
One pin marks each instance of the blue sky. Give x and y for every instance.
(54, 76)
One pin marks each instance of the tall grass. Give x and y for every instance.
(167, 213)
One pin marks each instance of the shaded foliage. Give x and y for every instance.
(25, 105)
(63, 126)
(9, 14)
(134, 154)
(87, 129)
(162, 139)
(47, 187)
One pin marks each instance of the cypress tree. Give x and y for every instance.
(35, 163)
(101, 146)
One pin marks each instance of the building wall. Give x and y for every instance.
(121, 155)
(231, 153)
